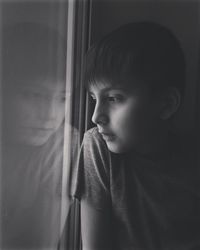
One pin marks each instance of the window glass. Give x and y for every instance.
(37, 131)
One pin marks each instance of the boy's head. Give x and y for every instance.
(137, 76)
(33, 81)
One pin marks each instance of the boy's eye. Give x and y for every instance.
(115, 98)
(112, 99)
(109, 98)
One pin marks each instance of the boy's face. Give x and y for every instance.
(127, 118)
(33, 111)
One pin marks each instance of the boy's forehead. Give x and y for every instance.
(107, 86)
(104, 86)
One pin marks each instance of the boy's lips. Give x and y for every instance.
(106, 135)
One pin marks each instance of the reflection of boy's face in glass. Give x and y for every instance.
(33, 83)
(34, 111)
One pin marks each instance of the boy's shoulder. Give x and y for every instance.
(94, 144)
(183, 164)
(93, 136)
(92, 132)
(185, 145)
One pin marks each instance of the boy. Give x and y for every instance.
(136, 181)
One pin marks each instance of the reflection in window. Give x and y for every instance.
(36, 103)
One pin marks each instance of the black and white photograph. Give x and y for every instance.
(99, 125)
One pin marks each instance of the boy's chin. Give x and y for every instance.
(117, 149)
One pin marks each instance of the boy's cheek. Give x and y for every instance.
(132, 130)
(121, 144)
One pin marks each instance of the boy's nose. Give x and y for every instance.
(99, 115)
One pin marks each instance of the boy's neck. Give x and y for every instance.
(156, 146)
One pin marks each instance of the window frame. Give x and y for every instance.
(78, 41)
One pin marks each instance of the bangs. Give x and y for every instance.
(106, 64)
(134, 54)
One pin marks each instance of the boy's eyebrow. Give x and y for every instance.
(109, 89)
(114, 88)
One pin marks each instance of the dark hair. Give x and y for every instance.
(143, 51)
(31, 50)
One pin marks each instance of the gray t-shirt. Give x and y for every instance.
(155, 203)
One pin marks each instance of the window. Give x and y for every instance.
(42, 120)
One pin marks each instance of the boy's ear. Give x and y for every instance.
(170, 103)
